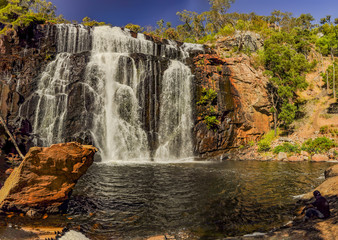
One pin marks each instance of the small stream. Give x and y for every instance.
(125, 201)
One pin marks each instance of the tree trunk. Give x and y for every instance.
(11, 137)
(333, 77)
(334, 81)
(327, 82)
(275, 121)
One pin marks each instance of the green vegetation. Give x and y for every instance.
(211, 122)
(208, 100)
(287, 147)
(287, 55)
(328, 76)
(134, 27)
(318, 145)
(286, 66)
(91, 23)
(22, 13)
(208, 97)
(3, 3)
(264, 145)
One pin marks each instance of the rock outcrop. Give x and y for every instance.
(45, 178)
(23, 55)
(241, 106)
(247, 41)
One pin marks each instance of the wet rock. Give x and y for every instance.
(45, 178)
(320, 158)
(295, 159)
(282, 156)
(331, 171)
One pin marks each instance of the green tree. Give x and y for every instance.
(3, 3)
(328, 45)
(23, 12)
(134, 27)
(217, 14)
(304, 21)
(328, 76)
(286, 68)
(91, 23)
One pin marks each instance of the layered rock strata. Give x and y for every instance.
(241, 106)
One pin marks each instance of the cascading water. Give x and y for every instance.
(137, 94)
(175, 117)
(52, 101)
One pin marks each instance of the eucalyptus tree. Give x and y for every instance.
(328, 45)
(286, 67)
(217, 14)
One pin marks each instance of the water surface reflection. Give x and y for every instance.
(225, 199)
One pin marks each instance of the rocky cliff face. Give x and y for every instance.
(237, 114)
(241, 106)
(23, 55)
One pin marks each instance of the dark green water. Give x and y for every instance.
(211, 199)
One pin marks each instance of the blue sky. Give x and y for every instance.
(147, 12)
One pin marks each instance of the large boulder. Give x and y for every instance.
(45, 178)
(331, 171)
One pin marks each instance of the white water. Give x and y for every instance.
(51, 107)
(117, 128)
(73, 38)
(175, 115)
(121, 89)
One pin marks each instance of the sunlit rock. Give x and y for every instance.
(45, 178)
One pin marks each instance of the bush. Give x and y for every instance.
(211, 121)
(264, 144)
(208, 97)
(318, 145)
(324, 129)
(208, 38)
(287, 147)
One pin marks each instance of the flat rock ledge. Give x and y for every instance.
(44, 180)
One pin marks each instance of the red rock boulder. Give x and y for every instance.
(46, 177)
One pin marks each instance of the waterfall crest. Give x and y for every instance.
(133, 96)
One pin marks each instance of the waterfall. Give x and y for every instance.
(176, 115)
(73, 38)
(133, 95)
(51, 106)
(117, 129)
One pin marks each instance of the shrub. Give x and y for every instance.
(133, 27)
(318, 145)
(287, 147)
(324, 129)
(208, 38)
(208, 96)
(211, 121)
(264, 144)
